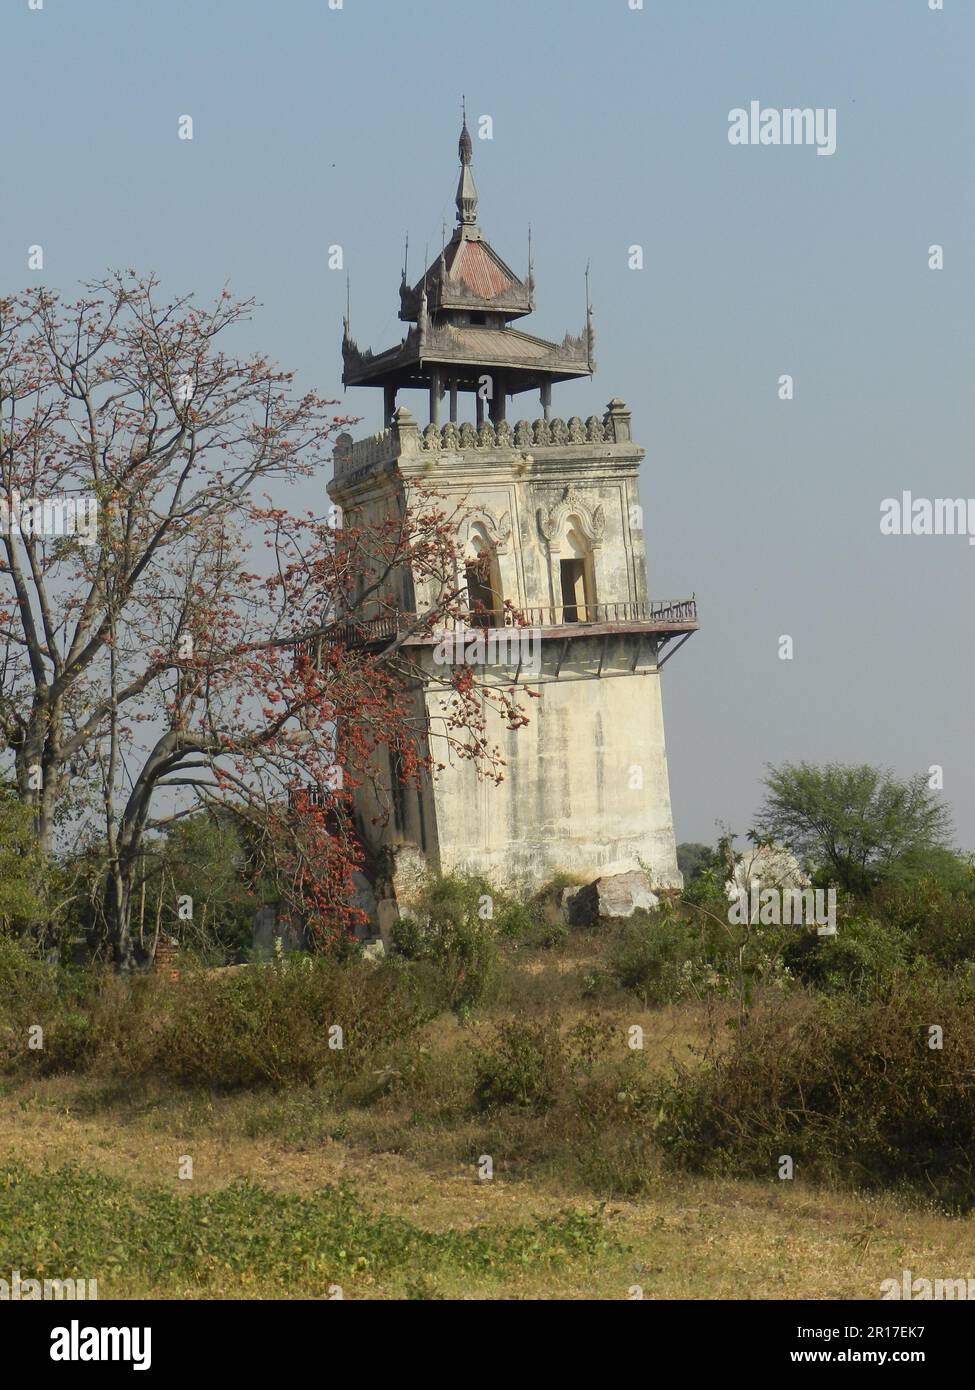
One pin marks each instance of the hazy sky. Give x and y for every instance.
(315, 127)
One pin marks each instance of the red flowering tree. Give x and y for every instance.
(173, 634)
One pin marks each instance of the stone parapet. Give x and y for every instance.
(404, 438)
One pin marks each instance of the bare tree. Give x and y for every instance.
(187, 638)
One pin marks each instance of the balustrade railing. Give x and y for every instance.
(558, 615)
(369, 631)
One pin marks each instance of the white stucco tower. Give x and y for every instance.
(552, 533)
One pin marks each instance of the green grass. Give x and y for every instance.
(72, 1222)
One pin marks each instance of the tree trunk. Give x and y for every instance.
(118, 915)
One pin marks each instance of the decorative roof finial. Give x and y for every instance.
(465, 147)
(466, 191)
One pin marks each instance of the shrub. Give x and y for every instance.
(248, 1026)
(708, 889)
(525, 1067)
(547, 934)
(22, 876)
(258, 1025)
(595, 1101)
(705, 871)
(37, 992)
(532, 1063)
(852, 1090)
(663, 957)
(861, 954)
(513, 920)
(939, 922)
(932, 864)
(610, 1122)
(597, 982)
(648, 957)
(449, 929)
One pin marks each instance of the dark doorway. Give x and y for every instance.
(480, 594)
(573, 591)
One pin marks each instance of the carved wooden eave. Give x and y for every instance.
(525, 359)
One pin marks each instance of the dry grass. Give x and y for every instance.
(683, 1237)
(689, 1239)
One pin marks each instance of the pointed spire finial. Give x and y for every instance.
(465, 147)
(466, 191)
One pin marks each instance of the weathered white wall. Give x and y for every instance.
(585, 788)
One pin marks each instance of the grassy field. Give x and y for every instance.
(294, 1191)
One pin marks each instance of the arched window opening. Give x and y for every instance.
(576, 575)
(484, 597)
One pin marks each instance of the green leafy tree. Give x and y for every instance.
(196, 887)
(694, 858)
(953, 872)
(854, 822)
(22, 898)
(704, 869)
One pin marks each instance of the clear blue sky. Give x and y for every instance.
(315, 126)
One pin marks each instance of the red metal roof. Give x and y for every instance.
(476, 269)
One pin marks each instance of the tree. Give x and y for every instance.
(694, 859)
(21, 890)
(193, 641)
(199, 860)
(952, 871)
(855, 822)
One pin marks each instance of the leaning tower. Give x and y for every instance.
(552, 529)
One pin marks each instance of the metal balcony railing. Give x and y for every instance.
(662, 615)
(558, 615)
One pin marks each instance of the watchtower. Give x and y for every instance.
(551, 539)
